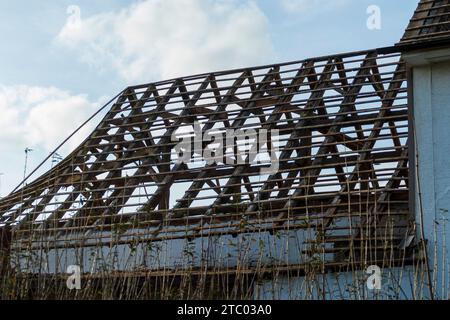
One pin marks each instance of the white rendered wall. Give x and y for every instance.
(431, 85)
(396, 284)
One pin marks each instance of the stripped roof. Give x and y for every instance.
(343, 172)
(343, 160)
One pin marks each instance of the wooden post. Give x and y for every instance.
(5, 249)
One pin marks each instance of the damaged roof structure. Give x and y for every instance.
(330, 189)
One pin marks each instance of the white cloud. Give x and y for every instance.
(296, 6)
(41, 117)
(156, 39)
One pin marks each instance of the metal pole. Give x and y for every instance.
(27, 150)
(1, 174)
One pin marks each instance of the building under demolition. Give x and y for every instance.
(298, 180)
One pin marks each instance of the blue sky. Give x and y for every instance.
(55, 72)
